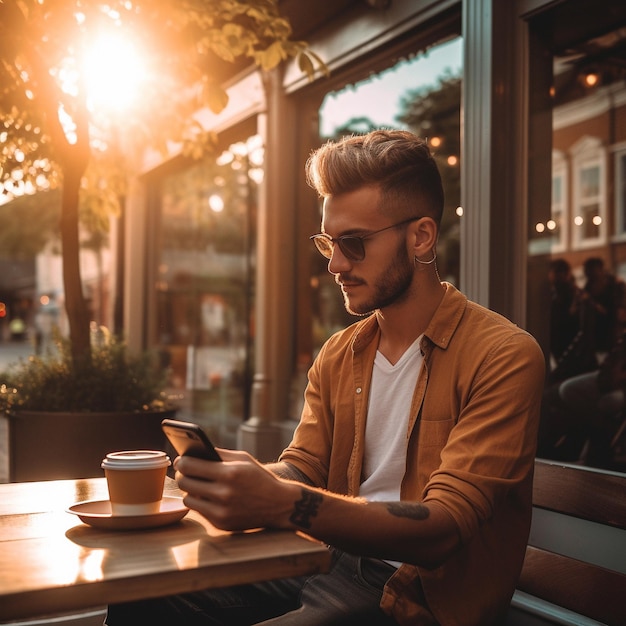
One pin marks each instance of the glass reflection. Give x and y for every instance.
(581, 245)
(205, 299)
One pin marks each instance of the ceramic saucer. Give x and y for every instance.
(97, 513)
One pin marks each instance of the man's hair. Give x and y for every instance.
(593, 263)
(396, 161)
(560, 266)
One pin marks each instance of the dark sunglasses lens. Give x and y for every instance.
(325, 246)
(352, 248)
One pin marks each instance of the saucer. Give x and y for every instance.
(97, 513)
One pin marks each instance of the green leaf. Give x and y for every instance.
(307, 60)
(306, 65)
(214, 97)
(272, 56)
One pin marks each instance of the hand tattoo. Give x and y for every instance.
(412, 510)
(306, 508)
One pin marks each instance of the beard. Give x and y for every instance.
(390, 287)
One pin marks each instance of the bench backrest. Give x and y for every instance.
(576, 555)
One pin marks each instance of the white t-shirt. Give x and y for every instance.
(386, 429)
(391, 392)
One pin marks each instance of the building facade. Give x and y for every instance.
(219, 273)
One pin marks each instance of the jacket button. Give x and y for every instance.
(358, 390)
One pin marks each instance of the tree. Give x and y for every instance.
(354, 126)
(54, 135)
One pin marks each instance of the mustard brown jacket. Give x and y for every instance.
(471, 442)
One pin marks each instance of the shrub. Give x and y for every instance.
(114, 380)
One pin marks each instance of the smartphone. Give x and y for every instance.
(189, 439)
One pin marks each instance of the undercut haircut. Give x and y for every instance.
(398, 162)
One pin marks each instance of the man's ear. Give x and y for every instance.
(425, 233)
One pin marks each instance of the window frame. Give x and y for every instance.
(619, 164)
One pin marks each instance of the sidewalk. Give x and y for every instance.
(10, 353)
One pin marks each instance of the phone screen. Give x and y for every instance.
(189, 439)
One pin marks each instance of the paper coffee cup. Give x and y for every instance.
(135, 479)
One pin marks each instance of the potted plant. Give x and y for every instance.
(63, 419)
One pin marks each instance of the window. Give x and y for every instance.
(204, 286)
(558, 225)
(589, 215)
(575, 295)
(552, 235)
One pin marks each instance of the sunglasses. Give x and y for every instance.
(351, 246)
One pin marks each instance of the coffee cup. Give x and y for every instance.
(135, 479)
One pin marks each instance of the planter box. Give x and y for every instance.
(51, 446)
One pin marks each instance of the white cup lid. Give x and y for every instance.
(136, 459)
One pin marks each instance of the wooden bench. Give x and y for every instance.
(575, 566)
(93, 617)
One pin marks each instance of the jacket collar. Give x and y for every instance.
(447, 317)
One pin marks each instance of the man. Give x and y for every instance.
(413, 458)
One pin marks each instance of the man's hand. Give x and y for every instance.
(238, 493)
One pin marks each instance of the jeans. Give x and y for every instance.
(348, 595)
(582, 394)
(596, 415)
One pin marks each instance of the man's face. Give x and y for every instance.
(384, 276)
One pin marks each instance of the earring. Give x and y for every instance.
(416, 260)
(429, 262)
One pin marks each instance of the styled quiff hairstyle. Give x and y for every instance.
(396, 161)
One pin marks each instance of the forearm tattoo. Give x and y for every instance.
(306, 508)
(412, 510)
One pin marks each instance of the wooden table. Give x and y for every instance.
(50, 562)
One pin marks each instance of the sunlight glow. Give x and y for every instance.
(216, 203)
(69, 126)
(113, 71)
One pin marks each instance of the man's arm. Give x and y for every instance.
(411, 532)
(289, 472)
(240, 493)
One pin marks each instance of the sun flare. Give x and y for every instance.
(113, 72)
